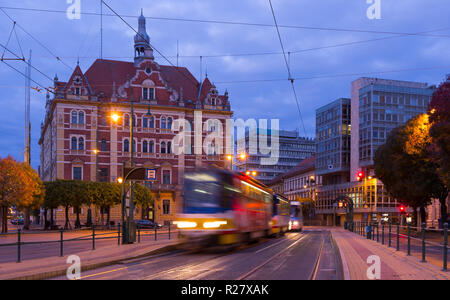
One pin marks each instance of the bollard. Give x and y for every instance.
(61, 249)
(18, 245)
(155, 232)
(409, 239)
(373, 231)
(390, 231)
(169, 231)
(118, 234)
(398, 236)
(139, 234)
(382, 233)
(423, 242)
(93, 237)
(445, 246)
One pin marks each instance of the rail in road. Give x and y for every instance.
(309, 255)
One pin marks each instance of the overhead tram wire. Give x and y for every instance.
(35, 39)
(154, 48)
(288, 67)
(24, 60)
(234, 22)
(26, 76)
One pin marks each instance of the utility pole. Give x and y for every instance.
(27, 135)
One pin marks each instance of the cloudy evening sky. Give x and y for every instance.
(390, 54)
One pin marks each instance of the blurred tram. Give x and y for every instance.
(296, 217)
(280, 214)
(224, 208)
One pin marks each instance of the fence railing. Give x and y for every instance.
(388, 234)
(114, 232)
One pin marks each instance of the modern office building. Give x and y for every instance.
(333, 130)
(292, 150)
(377, 106)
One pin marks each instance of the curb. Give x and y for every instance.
(343, 259)
(62, 271)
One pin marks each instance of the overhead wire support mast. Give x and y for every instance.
(288, 67)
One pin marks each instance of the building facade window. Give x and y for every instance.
(80, 143)
(73, 145)
(145, 122)
(148, 93)
(169, 147)
(152, 122)
(126, 145)
(163, 147)
(166, 207)
(169, 123)
(145, 146)
(77, 173)
(74, 117)
(80, 117)
(163, 123)
(151, 147)
(166, 177)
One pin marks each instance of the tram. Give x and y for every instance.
(224, 208)
(296, 216)
(280, 214)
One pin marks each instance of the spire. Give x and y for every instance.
(142, 48)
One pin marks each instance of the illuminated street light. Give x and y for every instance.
(254, 173)
(115, 117)
(229, 157)
(243, 156)
(95, 151)
(120, 180)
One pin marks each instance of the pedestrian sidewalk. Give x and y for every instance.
(44, 268)
(395, 265)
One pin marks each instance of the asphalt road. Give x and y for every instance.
(295, 256)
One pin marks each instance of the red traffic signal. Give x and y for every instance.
(402, 208)
(360, 175)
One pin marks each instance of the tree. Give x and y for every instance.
(142, 197)
(20, 187)
(51, 200)
(106, 194)
(403, 166)
(439, 150)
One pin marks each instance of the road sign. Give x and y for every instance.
(150, 174)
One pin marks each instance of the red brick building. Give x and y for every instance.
(79, 133)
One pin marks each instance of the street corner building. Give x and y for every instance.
(86, 131)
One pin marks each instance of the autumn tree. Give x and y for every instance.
(20, 187)
(439, 150)
(403, 166)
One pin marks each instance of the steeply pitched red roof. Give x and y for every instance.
(104, 73)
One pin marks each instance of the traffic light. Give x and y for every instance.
(360, 175)
(402, 208)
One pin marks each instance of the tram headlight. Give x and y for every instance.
(214, 224)
(295, 223)
(185, 224)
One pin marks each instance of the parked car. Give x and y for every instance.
(147, 224)
(17, 221)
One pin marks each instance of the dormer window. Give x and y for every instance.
(77, 91)
(213, 101)
(148, 93)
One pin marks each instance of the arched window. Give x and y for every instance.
(81, 143)
(151, 147)
(145, 147)
(169, 147)
(74, 144)
(145, 122)
(163, 122)
(126, 121)
(152, 122)
(169, 123)
(134, 121)
(126, 145)
(81, 117)
(163, 147)
(74, 118)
